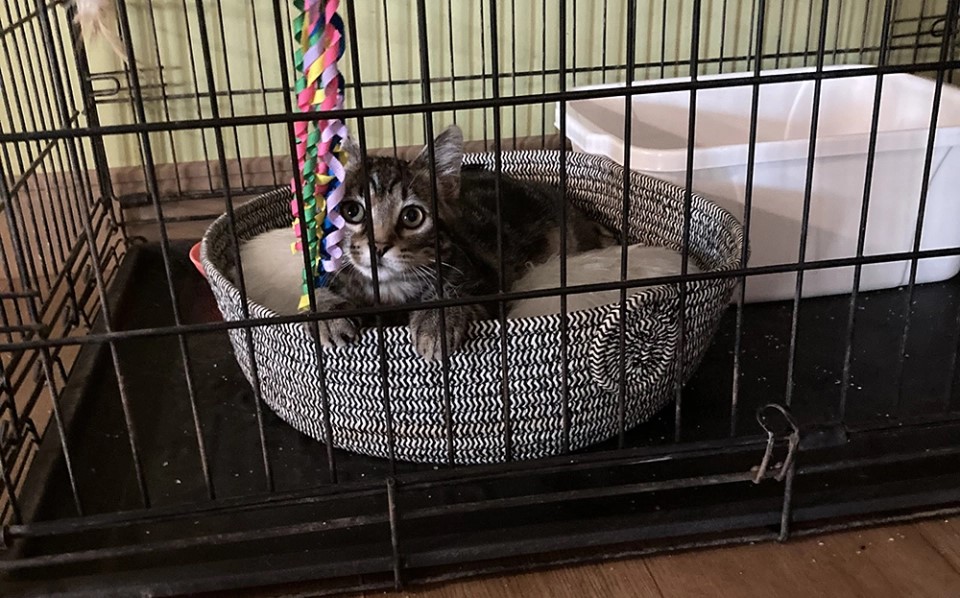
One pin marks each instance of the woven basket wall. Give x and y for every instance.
(291, 381)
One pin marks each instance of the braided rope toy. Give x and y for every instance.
(320, 155)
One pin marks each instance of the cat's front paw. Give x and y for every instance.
(338, 332)
(426, 335)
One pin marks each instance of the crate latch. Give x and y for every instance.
(779, 425)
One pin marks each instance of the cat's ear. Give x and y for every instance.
(352, 150)
(448, 152)
(448, 158)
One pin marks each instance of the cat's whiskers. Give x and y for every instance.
(422, 274)
(452, 267)
(426, 275)
(344, 267)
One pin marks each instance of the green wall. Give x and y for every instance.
(167, 33)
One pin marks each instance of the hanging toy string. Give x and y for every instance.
(319, 88)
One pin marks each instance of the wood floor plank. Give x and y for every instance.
(944, 536)
(621, 578)
(919, 560)
(895, 561)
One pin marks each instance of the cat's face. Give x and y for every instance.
(401, 222)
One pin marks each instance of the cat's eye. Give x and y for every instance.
(352, 211)
(412, 216)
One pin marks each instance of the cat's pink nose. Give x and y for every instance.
(382, 248)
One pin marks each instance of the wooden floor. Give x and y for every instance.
(912, 560)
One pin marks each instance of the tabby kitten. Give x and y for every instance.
(404, 230)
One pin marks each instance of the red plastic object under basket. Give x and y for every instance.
(195, 258)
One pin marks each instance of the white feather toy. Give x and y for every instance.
(92, 17)
(591, 267)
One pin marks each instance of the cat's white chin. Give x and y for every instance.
(384, 273)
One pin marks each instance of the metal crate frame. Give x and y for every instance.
(71, 263)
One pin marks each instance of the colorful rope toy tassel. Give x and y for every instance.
(320, 155)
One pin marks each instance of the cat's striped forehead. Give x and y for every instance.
(385, 177)
(388, 185)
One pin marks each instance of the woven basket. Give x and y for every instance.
(291, 382)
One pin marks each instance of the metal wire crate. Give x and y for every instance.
(134, 455)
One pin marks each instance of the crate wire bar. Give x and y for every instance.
(134, 455)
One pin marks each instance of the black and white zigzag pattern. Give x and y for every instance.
(294, 386)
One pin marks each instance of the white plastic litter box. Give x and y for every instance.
(660, 122)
